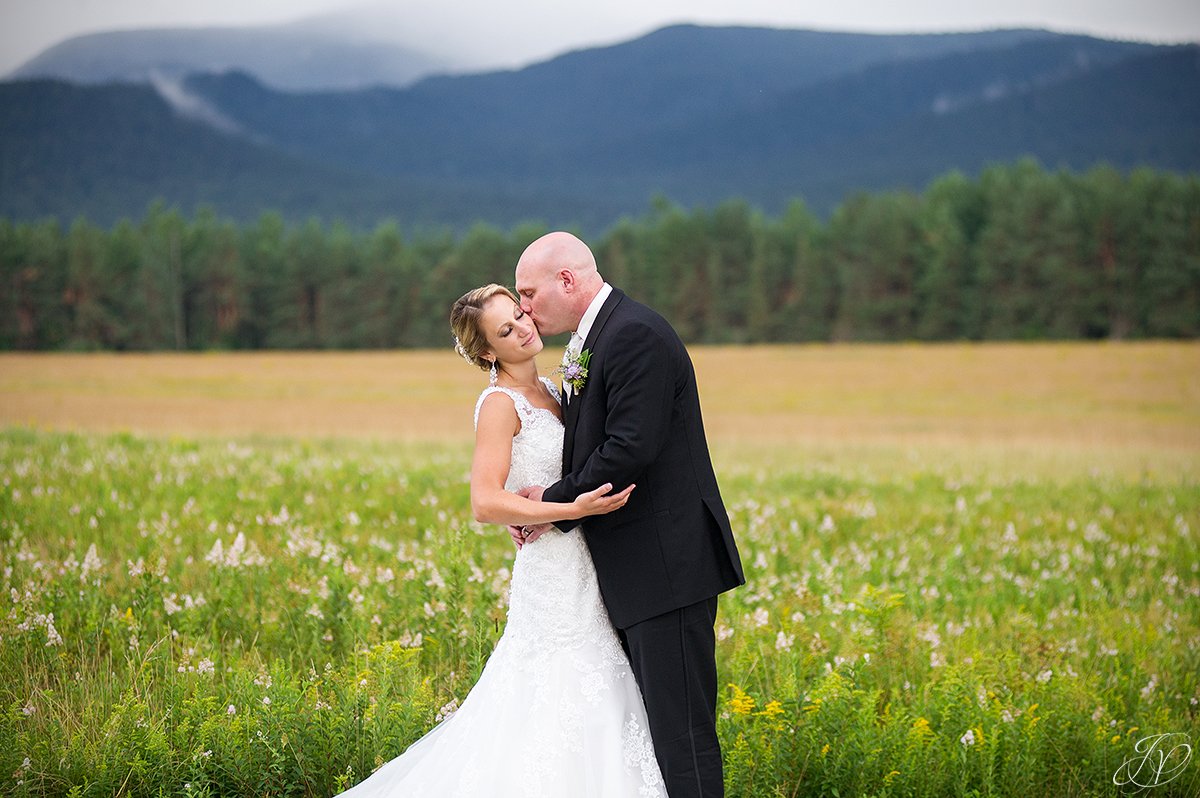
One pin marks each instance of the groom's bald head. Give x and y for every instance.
(557, 279)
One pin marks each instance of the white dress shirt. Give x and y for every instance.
(575, 346)
(593, 310)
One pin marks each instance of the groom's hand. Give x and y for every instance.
(533, 492)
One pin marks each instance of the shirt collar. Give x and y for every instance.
(593, 310)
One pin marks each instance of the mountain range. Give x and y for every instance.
(698, 114)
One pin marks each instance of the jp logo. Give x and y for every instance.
(1161, 758)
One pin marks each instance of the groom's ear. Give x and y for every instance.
(567, 278)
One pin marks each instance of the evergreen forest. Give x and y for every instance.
(1019, 253)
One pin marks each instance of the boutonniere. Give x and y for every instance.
(574, 369)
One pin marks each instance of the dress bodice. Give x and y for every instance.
(537, 448)
(557, 564)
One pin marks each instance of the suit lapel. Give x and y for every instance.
(571, 413)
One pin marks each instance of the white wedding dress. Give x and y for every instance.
(556, 711)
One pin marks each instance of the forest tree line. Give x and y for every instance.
(1017, 253)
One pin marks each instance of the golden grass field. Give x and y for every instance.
(1134, 403)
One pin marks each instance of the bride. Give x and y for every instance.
(556, 711)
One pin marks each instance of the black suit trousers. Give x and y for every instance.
(673, 658)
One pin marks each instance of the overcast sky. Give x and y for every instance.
(511, 32)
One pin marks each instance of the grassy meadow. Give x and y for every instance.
(972, 569)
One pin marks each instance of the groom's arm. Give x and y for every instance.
(641, 393)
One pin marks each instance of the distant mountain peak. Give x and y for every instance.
(288, 57)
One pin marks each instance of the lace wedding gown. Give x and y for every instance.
(556, 711)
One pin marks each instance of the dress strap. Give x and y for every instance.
(522, 404)
(549, 383)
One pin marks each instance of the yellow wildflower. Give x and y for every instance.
(741, 703)
(825, 749)
(772, 709)
(889, 778)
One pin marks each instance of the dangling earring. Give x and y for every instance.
(492, 374)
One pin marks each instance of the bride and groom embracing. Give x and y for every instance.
(604, 682)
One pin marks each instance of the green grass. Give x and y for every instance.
(917, 622)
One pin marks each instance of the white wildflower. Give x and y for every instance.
(408, 640)
(91, 562)
(447, 710)
(866, 509)
(216, 555)
(53, 638)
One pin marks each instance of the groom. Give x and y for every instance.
(664, 557)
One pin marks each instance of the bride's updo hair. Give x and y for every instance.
(469, 340)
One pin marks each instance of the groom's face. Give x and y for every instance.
(544, 297)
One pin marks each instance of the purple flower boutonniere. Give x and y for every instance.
(574, 370)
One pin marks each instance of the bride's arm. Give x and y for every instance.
(491, 503)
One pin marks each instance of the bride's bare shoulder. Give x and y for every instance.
(495, 412)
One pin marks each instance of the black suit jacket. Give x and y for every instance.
(637, 420)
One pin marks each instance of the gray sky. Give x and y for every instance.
(512, 32)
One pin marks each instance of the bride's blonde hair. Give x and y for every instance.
(469, 339)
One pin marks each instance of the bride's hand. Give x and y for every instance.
(601, 500)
